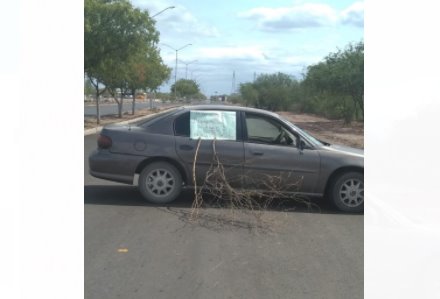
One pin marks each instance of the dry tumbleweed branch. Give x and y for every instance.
(255, 202)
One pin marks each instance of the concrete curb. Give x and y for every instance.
(98, 129)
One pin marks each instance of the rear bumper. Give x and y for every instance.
(113, 167)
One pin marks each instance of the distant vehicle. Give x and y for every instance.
(161, 151)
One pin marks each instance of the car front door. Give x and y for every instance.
(273, 159)
(229, 152)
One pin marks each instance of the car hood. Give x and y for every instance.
(345, 150)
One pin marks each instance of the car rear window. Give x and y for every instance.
(153, 117)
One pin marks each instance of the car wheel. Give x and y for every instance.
(347, 192)
(160, 182)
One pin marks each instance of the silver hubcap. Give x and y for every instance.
(160, 182)
(352, 192)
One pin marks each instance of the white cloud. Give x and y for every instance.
(184, 22)
(303, 16)
(221, 61)
(178, 20)
(254, 53)
(297, 16)
(354, 14)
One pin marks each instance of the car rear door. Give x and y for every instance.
(229, 152)
(277, 164)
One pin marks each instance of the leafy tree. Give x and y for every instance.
(340, 76)
(333, 87)
(88, 87)
(146, 71)
(274, 91)
(113, 74)
(185, 88)
(114, 31)
(94, 78)
(271, 91)
(235, 98)
(249, 95)
(199, 96)
(164, 96)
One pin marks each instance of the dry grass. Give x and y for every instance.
(253, 203)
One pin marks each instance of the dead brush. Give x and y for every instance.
(252, 202)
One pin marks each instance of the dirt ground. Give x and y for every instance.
(331, 131)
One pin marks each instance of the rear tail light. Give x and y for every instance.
(104, 142)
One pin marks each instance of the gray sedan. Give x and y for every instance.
(253, 146)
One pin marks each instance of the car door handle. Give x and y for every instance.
(257, 153)
(186, 147)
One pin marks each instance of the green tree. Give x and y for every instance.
(249, 94)
(88, 87)
(185, 88)
(236, 98)
(146, 71)
(114, 28)
(114, 31)
(274, 91)
(340, 77)
(114, 74)
(199, 96)
(271, 91)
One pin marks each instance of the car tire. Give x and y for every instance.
(160, 183)
(347, 192)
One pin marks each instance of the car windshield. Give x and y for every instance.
(304, 133)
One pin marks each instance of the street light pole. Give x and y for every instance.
(170, 7)
(175, 79)
(175, 73)
(187, 63)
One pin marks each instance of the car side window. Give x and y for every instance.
(264, 130)
(181, 125)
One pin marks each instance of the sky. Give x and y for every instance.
(250, 37)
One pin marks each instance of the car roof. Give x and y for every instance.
(230, 108)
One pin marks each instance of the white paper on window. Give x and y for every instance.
(207, 124)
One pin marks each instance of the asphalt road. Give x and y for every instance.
(109, 109)
(137, 250)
